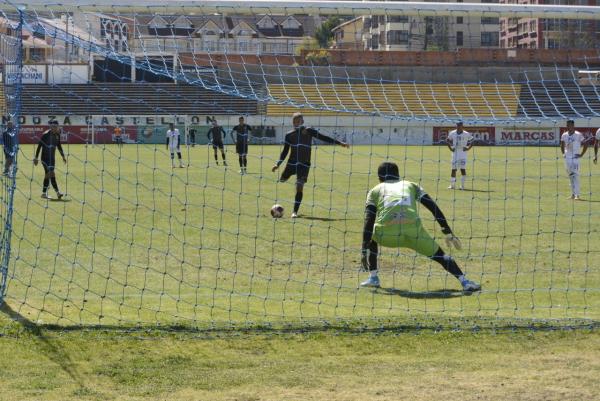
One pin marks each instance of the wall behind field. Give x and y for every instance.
(356, 130)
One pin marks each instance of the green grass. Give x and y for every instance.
(103, 365)
(141, 244)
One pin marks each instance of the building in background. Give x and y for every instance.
(543, 33)
(260, 34)
(349, 35)
(430, 33)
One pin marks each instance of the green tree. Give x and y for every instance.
(324, 33)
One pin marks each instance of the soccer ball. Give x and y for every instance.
(277, 211)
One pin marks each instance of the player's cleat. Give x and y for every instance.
(372, 282)
(576, 197)
(181, 165)
(462, 188)
(294, 215)
(59, 195)
(470, 286)
(571, 197)
(241, 172)
(45, 195)
(450, 186)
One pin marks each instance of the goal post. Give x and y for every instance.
(142, 229)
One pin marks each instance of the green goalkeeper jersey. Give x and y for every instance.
(396, 203)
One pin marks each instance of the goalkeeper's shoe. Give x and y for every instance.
(470, 286)
(372, 282)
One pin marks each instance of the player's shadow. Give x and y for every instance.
(46, 345)
(59, 200)
(322, 218)
(476, 190)
(433, 294)
(589, 200)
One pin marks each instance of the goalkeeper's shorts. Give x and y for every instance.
(406, 236)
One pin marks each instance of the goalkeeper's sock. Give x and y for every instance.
(373, 273)
(461, 278)
(447, 263)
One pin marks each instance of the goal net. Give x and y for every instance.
(155, 217)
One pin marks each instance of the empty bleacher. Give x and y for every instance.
(559, 99)
(2, 101)
(413, 100)
(130, 99)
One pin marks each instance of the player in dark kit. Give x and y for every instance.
(49, 142)
(215, 136)
(10, 146)
(242, 131)
(298, 142)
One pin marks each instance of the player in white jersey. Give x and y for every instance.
(571, 143)
(459, 142)
(596, 146)
(173, 141)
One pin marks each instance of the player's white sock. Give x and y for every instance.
(572, 183)
(453, 180)
(576, 185)
(463, 178)
(373, 273)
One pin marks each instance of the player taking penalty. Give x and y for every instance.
(391, 220)
(298, 143)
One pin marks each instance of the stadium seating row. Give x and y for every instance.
(418, 100)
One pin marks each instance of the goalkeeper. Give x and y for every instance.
(391, 220)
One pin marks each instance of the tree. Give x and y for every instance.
(324, 33)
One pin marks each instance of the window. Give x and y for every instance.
(375, 41)
(397, 37)
(490, 39)
(459, 20)
(553, 44)
(459, 38)
(490, 21)
(402, 19)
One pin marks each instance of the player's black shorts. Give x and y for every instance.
(216, 145)
(299, 170)
(48, 166)
(241, 148)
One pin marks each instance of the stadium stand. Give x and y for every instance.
(130, 98)
(2, 101)
(559, 99)
(417, 100)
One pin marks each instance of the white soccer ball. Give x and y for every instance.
(277, 211)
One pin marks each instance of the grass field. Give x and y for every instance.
(104, 365)
(139, 243)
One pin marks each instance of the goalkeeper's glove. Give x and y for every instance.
(453, 241)
(364, 259)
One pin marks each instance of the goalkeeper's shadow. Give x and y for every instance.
(432, 294)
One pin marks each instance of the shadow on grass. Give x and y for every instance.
(59, 200)
(372, 325)
(434, 294)
(476, 190)
(47, 346)
(323, 218)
